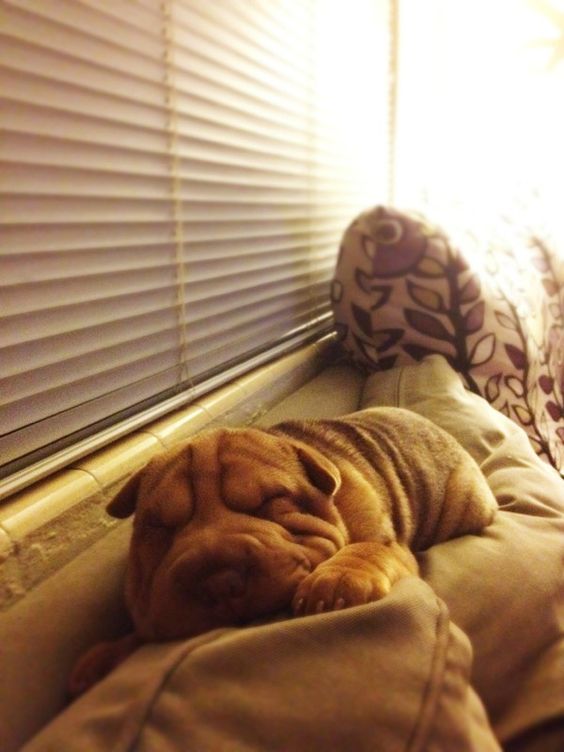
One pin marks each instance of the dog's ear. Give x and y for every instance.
(124, 502)
(322, 473)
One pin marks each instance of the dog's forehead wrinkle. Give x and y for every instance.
(253, 466)
(249, 448)
(201, 481)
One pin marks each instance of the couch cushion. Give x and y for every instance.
(392, 674)
(504, 588)
(43, 633)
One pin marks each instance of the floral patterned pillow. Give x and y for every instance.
(403, 291)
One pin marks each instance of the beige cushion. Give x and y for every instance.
(42, 635)
(373, 677)
(505, 587)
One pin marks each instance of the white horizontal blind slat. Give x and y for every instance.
(90, 412)
(172, 200)
(88, 269)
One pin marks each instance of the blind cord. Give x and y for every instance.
(176, 183)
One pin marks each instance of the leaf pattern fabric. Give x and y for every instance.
(403, 291)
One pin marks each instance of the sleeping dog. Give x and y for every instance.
(236, 524)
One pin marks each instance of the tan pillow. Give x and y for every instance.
(505, 587)
(390, 675)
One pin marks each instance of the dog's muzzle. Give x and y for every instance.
(218, 573)
(238, 575)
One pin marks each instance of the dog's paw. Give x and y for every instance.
(358, 573)
(90, 668)
(332, 587)
(97, 663)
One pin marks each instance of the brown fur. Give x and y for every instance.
(236, 524)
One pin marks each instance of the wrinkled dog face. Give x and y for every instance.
(225, 529)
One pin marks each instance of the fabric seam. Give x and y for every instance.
(397, 395)
(150, 703)
(421, 729)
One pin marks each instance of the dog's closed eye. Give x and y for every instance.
(280, 508)
(278, 505)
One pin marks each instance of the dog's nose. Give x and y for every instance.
(211, 582)
(225, 584)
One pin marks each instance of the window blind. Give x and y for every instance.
(175, 179)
